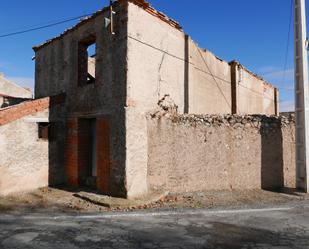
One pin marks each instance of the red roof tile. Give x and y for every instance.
(26, 108)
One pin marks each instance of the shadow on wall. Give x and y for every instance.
(56, 136)
(9, 101)
(68, 149)
(272, 175)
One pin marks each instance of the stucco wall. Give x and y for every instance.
(192, 153)
(24, 158)
(9, 88)
(163, 60)
(155, 60)
(209, 82)
(255, 96)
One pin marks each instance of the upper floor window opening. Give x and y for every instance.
(87, 61)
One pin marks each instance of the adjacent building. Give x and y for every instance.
(12, 94)
(26, 137)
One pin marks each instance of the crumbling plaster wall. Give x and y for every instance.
(144, 61)
(155, 68)
(173, 63)
(24, 158)
(57, 71)
(57, 67)
(254, 96)
(193, 153)
(197, 80)
(164, 61)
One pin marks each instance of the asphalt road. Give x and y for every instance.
(281, 228)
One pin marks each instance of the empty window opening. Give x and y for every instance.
(44, 131)
(87, 61)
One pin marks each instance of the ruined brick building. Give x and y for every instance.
(101, 135)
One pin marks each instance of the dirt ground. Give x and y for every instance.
(60, 200)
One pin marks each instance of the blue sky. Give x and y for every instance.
(252, 32)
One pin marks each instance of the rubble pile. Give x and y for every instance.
(234, 121)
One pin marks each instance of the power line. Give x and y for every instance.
(213, 76)
(44, 26)
(11, 30)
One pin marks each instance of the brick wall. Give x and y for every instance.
(78, 152)
(16, 112)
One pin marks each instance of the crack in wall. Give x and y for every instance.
(160, 76)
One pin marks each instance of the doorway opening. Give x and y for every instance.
(87, 153)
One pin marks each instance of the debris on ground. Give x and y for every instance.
(113, 202)
(64, 200)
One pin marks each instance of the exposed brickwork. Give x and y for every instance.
(16, 112)
(103, 160)
(71, 152)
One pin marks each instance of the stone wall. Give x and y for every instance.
(192, 153)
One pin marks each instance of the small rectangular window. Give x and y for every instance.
(44, 131)
(87, 61)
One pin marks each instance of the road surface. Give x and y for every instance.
(282, 227)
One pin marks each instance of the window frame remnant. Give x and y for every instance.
(44, 131)
(84, 77)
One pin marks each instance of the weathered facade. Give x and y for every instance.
(110, 92)
(25, 141)
(220, 152)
